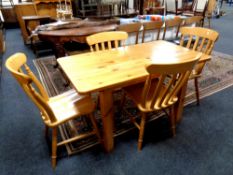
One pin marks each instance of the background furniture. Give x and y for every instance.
(199, 8)
(25, 9)
(154, 29)
(202, 40)
(132, 28)
(154, 7)
(58, 37)
(36, 8)
(31, 22)
(55, 110)
(174, 6)
(174, 25)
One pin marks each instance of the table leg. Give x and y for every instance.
(106, 107)
(180, 104)
(59, 50)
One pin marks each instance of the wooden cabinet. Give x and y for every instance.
(38, 7)
(24, 9)
(2, 41)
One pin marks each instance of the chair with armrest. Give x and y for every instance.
(132, 28)
(174, 25)
(106, 40)
(152, 27)
(202, 40)
(54, 110)
(159, 93)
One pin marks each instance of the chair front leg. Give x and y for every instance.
(172, 120)
(141, 131)
(197, 90)
(54, 147)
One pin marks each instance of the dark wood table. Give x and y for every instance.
(59, 37)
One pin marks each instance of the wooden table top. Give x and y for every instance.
(96, 71)
(82, 31)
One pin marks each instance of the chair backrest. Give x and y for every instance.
(154, 27)
(172, 24)
(16, 64)
(198, 39)
(204, 39)
(132, 28)
(106, 40)
(193, 20)
(163, 93)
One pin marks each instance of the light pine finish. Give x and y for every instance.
(202, 40)
(131, 28)
(106, 40)
(55, 110)
(173, 23)
(107, 70)
(196, 20)
(161, 93)
(152, 26)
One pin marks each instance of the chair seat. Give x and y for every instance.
(70, 104)
(135, 93)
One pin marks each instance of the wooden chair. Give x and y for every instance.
(199, 8)
(194, 21)
(154, 7)
(204, 42)
(173, 24)
(160, 93)
(55, 110)
(152, 27)
(31, 22)
(106, 40)
(132, 28)
(174, 7)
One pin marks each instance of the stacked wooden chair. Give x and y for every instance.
(174, 25)
(132, 28)
(154, 27)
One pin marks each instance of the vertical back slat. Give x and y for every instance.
(208, 47)
(97, 47)
(196, 43)
(200, 48)
(158, 34)
(109, 45)
(157, 92)
(182, 40)
(116, 44)
(190, 41)
(102, 46)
